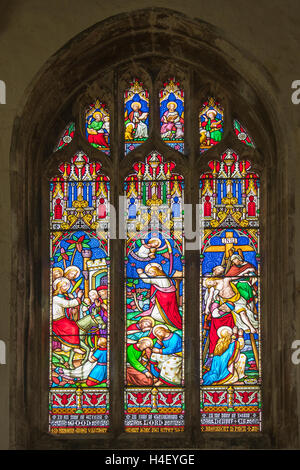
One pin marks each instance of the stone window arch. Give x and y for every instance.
(153, 45)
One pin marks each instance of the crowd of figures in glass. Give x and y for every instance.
(230, 297)
(242, 134)
(154, 273)
(97, 122)
(66, 137)
(136, 115)
(211, 121)
(79, 312)
(172, 114)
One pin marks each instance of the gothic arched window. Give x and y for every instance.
(153, 302)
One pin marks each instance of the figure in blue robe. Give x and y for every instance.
(219, 372)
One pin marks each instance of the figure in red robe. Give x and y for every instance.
(163, 301)
(240, 267)
(220, 316)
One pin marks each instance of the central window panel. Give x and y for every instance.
(154, 297)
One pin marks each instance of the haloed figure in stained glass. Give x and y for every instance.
(228, 364)
(98, 126)
(172, 115)
(95, 136)
(136, 115)
(166, 358)
(172, 127)
(135, 125)
(210, 124)
(65, 329)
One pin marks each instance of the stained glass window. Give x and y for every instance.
(211, 120)
(172, 114)
(97, 126)
(154, 273)
(242, 134)
(79, 298)
(66, 137)
(230, 297)
(136, 115)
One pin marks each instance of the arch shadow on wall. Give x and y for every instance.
(159, 38)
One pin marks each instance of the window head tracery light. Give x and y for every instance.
(136, 115)
(97, 126)
(171, 99)
(211, 122)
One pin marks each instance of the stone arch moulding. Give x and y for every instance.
(198, 48)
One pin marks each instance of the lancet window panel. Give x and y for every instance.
(230, 316)
(154, 298)
(79, 298)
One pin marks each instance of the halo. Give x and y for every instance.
(136, 102)
(97, 112)
(154, 238)
(221, 329)
(59, 280)
(212, 111)
(59, 270)
(150, 265)
(172, 102)
(72, 267)
(148, 338)
(236, 256)
(148, 318)
(159, 326)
